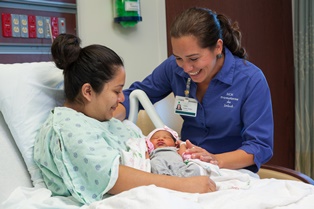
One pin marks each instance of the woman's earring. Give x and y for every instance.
(219, 56)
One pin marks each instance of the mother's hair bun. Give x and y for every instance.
(65, 50)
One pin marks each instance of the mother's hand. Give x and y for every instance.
(200, 153)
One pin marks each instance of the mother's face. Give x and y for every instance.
(104, 104)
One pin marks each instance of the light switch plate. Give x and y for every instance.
(47, 26)
(62, 25)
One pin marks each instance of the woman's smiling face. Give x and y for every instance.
(104, 103)
(198, 62)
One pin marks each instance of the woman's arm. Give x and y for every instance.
(120, 112)
(233, 160)
(130, 178)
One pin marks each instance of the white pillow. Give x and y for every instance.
(13, 171)
(28, 91)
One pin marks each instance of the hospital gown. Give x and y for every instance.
(79, 155)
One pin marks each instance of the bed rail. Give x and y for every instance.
(139, 96)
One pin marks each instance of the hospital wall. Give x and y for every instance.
(142, 47)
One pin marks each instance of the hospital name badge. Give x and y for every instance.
(185, 106)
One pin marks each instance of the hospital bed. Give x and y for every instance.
(27, 93)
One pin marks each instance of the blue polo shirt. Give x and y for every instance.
(235, 113)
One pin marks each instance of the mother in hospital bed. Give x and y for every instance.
(78, 147)
(225, 99)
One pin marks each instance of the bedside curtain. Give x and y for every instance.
(304, 84)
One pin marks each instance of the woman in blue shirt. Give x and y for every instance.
(228, 115)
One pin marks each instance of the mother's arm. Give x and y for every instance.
(130, 178)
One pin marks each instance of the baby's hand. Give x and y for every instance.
(178, 143)
(181, 151)
(146, 155)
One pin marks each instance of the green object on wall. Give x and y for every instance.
(127, 12)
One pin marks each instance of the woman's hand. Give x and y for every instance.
(200, 153)
(197, 184)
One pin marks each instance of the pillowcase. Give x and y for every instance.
(28, 91)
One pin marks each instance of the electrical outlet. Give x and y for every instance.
(32, 33)
(6, 25)
(40, 27)
(54, 27)
(16, 32)
(24, 26)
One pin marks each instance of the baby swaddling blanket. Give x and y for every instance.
(224, 178)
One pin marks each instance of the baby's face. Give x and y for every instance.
(162, 139)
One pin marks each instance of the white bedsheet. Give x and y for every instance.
(260, 194)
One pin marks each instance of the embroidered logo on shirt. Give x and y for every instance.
(229, 100)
